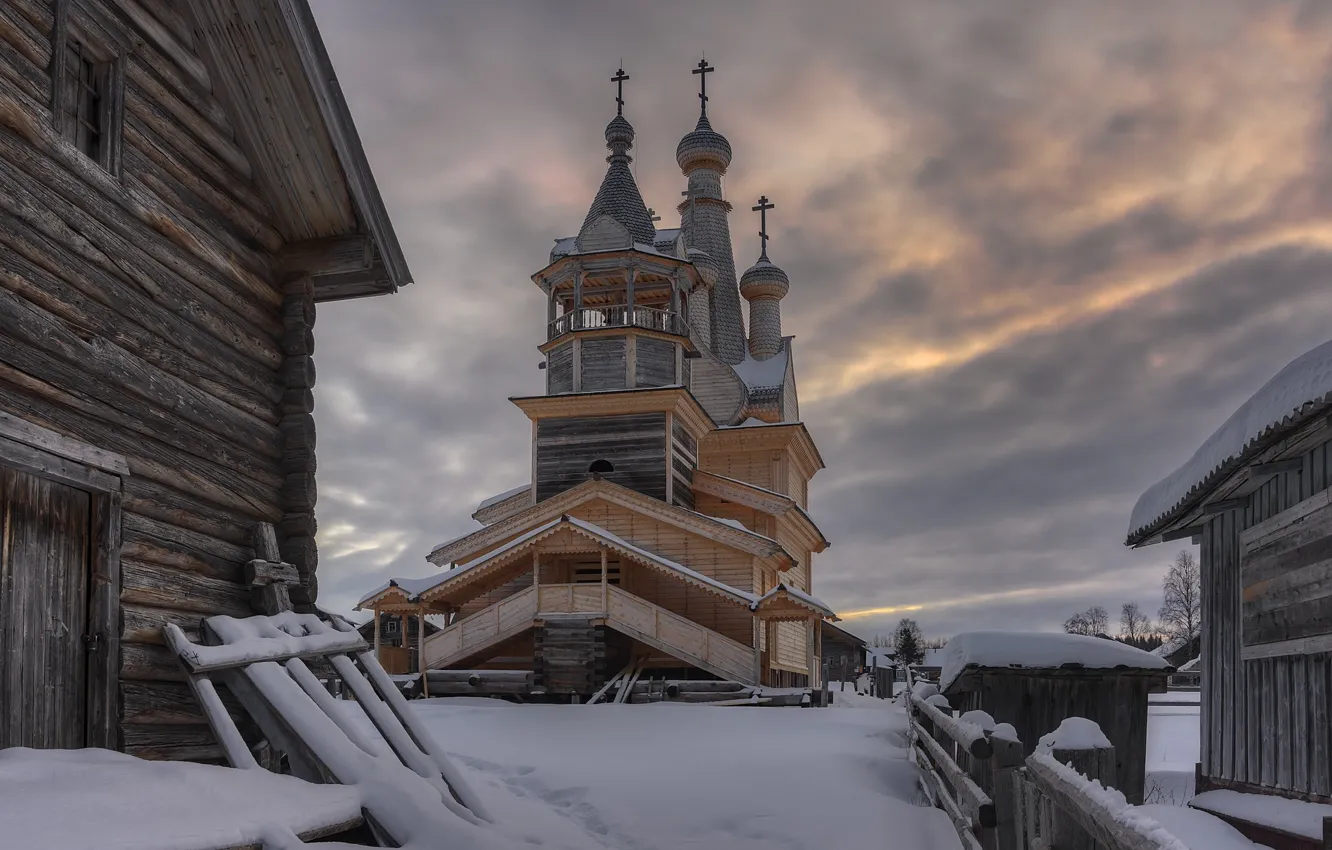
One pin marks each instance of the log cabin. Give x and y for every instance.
(665, 526)
(1257, 497)
(181, 185)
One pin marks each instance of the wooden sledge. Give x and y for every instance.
(410, 789)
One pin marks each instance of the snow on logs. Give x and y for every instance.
(969, 736)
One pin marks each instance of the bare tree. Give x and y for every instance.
(1181, 615)
(1134, 626)
(1094, 621)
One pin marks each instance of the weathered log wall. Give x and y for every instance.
(1265, 721)
(141, 313)
(634, 444)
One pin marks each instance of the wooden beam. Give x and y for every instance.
(1223, 505)
(1181, 533)
(329, 256)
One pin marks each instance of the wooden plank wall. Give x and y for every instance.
(603, 363)
(1265, 722)
(559, 370)
(684, 460)
(727, 565)
(634, 444)
(139, 314)
(1035, 703)
(654, 362)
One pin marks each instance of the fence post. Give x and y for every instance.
(1004, 765)
(1094, 762)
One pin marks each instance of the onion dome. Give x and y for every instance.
(707, 267)
(619, 134)
(703, 148)
(764, 280)
(618, 196)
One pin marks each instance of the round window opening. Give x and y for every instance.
(600, 467)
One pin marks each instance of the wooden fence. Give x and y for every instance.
(973, 769)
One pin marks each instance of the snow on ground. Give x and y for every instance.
(1172, 747)
(85, 799)
(1198, 830)
(1293, 816)
(680, 776)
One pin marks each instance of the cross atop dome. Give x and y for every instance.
(703, 70)
(618, 79)
(762, 209)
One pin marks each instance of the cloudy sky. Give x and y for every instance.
(1038, 251)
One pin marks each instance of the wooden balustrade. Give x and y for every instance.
(623, 611)
(615, 316)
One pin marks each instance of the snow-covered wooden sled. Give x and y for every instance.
(412, 794)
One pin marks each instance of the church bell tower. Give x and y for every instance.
(618, 345)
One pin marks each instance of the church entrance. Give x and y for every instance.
(45, 558)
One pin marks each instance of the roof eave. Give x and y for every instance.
(346, 141)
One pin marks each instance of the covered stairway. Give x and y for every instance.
(637, 618)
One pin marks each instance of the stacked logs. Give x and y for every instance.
(298, 527)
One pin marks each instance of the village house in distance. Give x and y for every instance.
(665, 529)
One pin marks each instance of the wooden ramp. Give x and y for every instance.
(620, 610)
(410, 789)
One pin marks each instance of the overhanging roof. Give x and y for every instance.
(267, 64)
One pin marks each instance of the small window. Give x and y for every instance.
(86, 90)
(600, 467)
(81, 119)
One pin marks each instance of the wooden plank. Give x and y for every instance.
(52, 442)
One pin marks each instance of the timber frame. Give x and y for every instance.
(46, 454)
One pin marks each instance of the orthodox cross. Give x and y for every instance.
(703, 70)
(762, 209)
(652, 214)
(618, 79)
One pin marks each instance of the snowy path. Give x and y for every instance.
(644, 777)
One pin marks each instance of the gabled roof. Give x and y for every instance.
(500, 532)
(786, 599)
(758, 498)
(266, 63)
(1291, 399)
(424, 590)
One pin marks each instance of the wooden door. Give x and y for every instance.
(44, 575)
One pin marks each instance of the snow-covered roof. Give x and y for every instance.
(1169, 648)
(1039, 650)
(764, 374)
(414, 588)
(810, 601)
(933, 658)
(1190, 666)
(507, 494)
(1286, 399)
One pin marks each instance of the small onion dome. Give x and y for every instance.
(703, 148)
(619, 132)
(764, 280)
(707, 267)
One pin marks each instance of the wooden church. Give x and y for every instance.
(665, 527)
(180, 186)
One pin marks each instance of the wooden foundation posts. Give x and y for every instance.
(378, 640)
(298, 434)
(605, 593)
(420, 650)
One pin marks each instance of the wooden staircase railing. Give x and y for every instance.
(648, 623)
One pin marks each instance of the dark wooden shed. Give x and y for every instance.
(843, 651)
(1255, 497)
(1035, 700)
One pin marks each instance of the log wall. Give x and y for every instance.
(634, 444)
(140, 313)
(1265, 721)
(654, 362)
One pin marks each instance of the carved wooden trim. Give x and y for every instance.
(704, 526)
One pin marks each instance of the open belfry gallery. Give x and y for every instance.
(665, 528)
